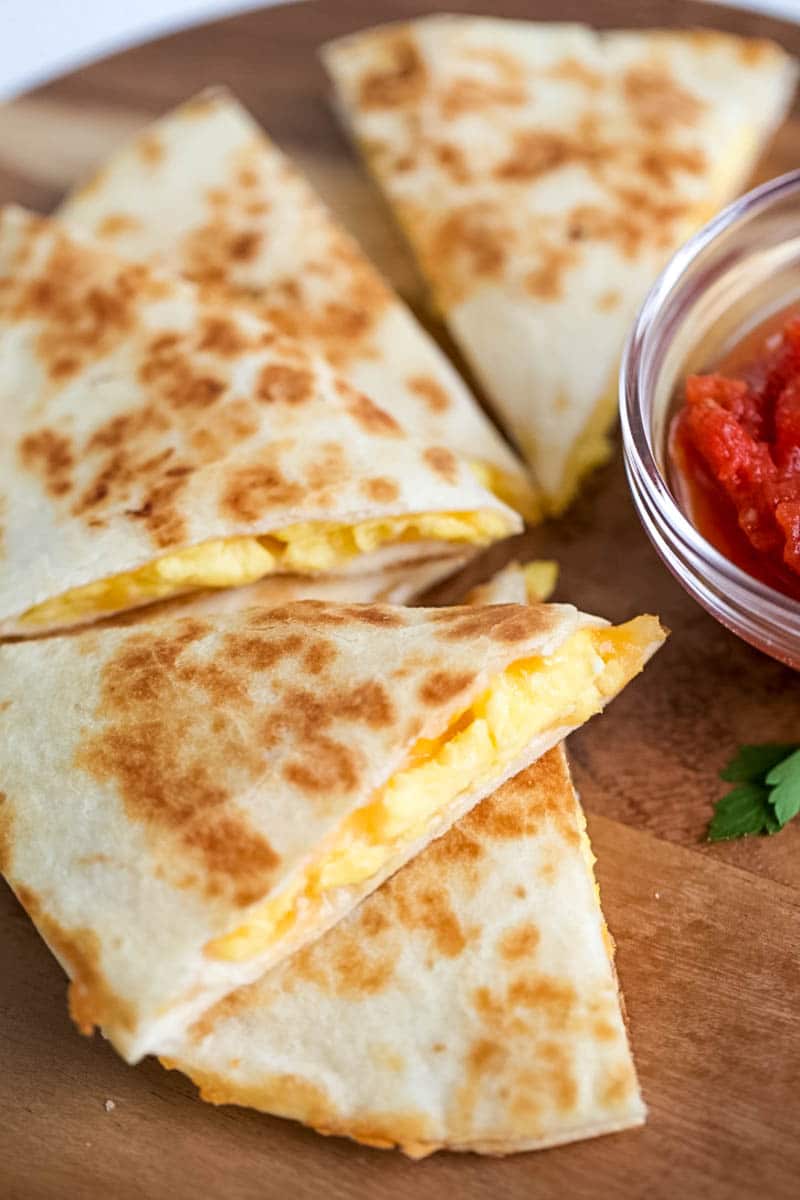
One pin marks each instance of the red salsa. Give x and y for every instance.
(735, 445)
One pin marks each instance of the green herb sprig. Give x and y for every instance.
(766, 795)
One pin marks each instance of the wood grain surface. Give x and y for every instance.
(708, 936)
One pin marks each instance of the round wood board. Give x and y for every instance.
(707, 936)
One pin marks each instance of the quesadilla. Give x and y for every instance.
(542, 174)
(189, 802)
(205, 193)
(155, 445)
(515, 583)
(471, 1003)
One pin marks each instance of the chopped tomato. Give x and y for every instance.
(739, 433)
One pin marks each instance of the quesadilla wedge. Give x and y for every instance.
(189, 802)
(542, 174)
(204, 192)
(154, 445)
(470, 1004)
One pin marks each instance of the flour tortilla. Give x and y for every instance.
(204, 192)
(543, 173)
(160, 783)
(471, 1003)
(139, 420)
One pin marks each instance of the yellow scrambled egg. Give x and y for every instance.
(309, 548)
(532, 697)
(540, 578)
(516, 491)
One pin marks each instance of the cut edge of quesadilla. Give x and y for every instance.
(532, 1097)
(312, 548)
(530, 704)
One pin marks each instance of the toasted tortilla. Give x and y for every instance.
(187, 803)
(543, 174)
(204, 192)
(141, 423)
(470, 1004)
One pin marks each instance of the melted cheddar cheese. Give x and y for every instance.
(531, 698)
(514, 490)
(309, 548)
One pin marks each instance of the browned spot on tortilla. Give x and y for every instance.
(51, 456)
(609, 300)
(251, 490)
(658, 163)
(91, 1000)
(469, 94)
(547, 994)
(150, 149)
(428, 909)
(329, 768)
(519, 891)
(468, 245)
(328, 470)
(453, 161)
(617, 1085)
(373, 420)
(519, 941)
(253, 653)
(367, 702)
(168, 372)
(83, 304)
(604, 1031)
(318, 656)
(401, 80)
(538, 797)
(221, 336)
(114, 224)
(443, 462)
(244, 246)
(635, 218)
(752, 51)
(441, 686)
(176, 739)
(537, 152)
(279, 383)
(431, 391)
(657, 101)
(380, 490)
(572, 70)
(546, 281)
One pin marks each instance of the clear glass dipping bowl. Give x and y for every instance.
(740, 269)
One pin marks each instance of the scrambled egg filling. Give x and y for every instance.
(532, 697)
(540, 577)
(309, 548)
(516, 491)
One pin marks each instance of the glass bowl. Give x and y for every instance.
(737, 272)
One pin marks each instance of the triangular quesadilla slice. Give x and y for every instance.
(155, 445)
(543, 173)
(471, 1003)
(204, 192)
(187, 803)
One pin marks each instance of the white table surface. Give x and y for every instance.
(42, 38)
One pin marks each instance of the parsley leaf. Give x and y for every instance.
(784, 779)
(767, 792)
(744, 810)
(751, 763)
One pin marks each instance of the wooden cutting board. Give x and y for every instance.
(708, 936)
